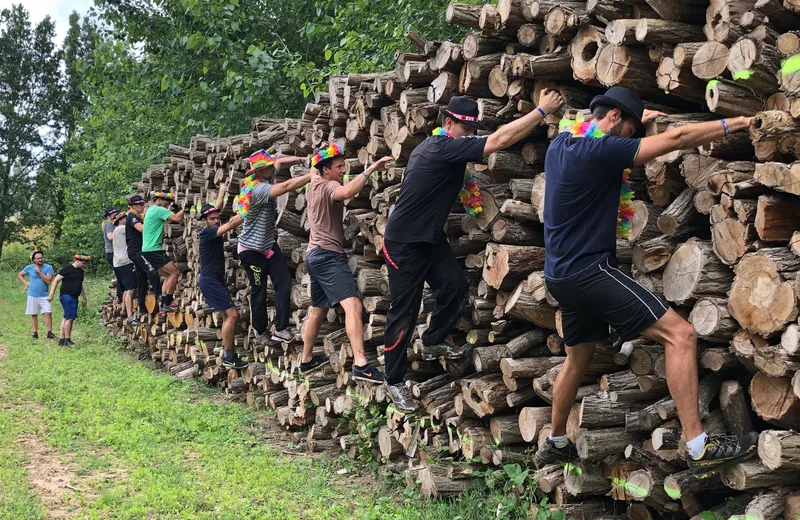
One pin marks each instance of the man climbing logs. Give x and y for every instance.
(124, 269)
(153, 247)
(415, 247)
(586, 208)
(212, 274)
(332, 281)
(258, 251)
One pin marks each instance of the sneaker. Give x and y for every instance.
(68, 343)
(368, 374)
(722, 449)
(172, 307)
(50, 335)
(285, 336)
(233, 361)
(443, 350)
(550, 454)
(133, 322)
(401, 397)
(61, 342)
(315, 364)
(35, 335)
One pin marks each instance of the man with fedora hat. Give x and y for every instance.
(258, 251)
(212, 274)
(108, 232)
(153, 248)
(587, 169)
(146, 275)
(124, 269)
(415, 247)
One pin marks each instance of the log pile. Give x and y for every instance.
(716, 233)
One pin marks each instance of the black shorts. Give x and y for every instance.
(331, 279)
(215, 293)
(600, 296)
(157, 259)
(126, 277)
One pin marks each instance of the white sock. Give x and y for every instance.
(696, 445)
(560, 441)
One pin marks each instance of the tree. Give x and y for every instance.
(29, 89)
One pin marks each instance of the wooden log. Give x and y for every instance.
(773, 400)
(488, 358)
(653, 254)
(680, 212)
(465, 15)
(650, 30)
(694, 271)
(735, 410)
(768, 504)
(779, 176)
(553, 65)
(730, 99)
(712, 321)
(753, 474)
(777, 217)
(584, 49)
(595, 445)
(710, 60)
(506, 265)
(629, 67)
(532, 420)
(528, 307)
(731, 239)
(779, 449)
(505, 429)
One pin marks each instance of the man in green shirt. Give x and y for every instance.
(153, 247)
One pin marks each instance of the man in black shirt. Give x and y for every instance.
(415, 246)
(72, 276)
(145, 273)
(212, 274)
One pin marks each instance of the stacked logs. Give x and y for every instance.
(716, 233)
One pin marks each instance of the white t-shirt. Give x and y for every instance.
(120, 247)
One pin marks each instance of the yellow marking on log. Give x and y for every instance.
(791, 65)
(742, 74)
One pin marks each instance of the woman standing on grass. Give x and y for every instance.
(72, 275)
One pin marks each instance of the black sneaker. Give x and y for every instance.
(402, 399)
(722, 449)
(35, 335)
(443, 350)
(315, 364)
(50, 335)
(61, 342)
(284, 336)
(368, 374)
(233, 361)
(133, 322)
(68, 343)
(550, 454)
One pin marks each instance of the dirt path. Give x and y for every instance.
(51, 478)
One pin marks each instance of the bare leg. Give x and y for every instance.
(48, 320)
(229, 327)
(34, 323)
(63, 329)
(127, 302)
(355, 328)
(170, 274)
(311, 330)
(68, 328)
(680, 349)
(567, 383)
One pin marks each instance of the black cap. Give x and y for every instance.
(136, 199)
(627, 101)
(110, 211)
(207, 210)
(463, 110)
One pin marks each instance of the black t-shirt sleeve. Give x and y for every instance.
(64, 271)
(619, 151)
(207, 233)
(463, 149)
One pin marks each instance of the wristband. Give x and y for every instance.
(541, 111)
(365, 175)
(724, 126)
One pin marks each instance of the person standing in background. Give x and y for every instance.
(124, 269)
(108, 231)
(40, 275)
(71, 289)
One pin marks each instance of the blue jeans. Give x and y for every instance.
(70, 305)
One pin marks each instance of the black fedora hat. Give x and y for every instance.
(207, 210)
(627, 101)
(463, 110)
(136, 199)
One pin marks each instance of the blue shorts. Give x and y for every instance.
(331, 279)
(70, 305)
(216, 293)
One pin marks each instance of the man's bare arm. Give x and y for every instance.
(515, 131)
(687, 136)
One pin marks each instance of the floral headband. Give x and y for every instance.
(165, 195)
(82, 258)
(331, 151)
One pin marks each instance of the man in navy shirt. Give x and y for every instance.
(212, 274)
(415, 247)
(582, 192)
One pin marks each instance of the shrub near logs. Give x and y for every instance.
(716, 233)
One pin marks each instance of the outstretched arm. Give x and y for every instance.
(687, 136)
(354, 187)
(234, 222)
(223, 190)
(289, 185)
(515, 131)
(176, 217)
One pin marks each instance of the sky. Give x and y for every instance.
(59, 11)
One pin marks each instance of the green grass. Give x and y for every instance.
(144, 445)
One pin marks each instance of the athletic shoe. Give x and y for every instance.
(61, 342)
(133, 322)
(68, 343)
(368, 374)
(172, 307)
(50, 335)
(443, 350)
(35, 335)
(285, 336)
(401, 397)
(550, 454)
(315, 364)
(232, 360)
(722, 449)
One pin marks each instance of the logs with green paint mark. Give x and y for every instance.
(789, 75)
(728, 98)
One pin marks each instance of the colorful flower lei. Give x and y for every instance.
(470, 194)
(332, 150)
(241, 204)
(582, 128)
